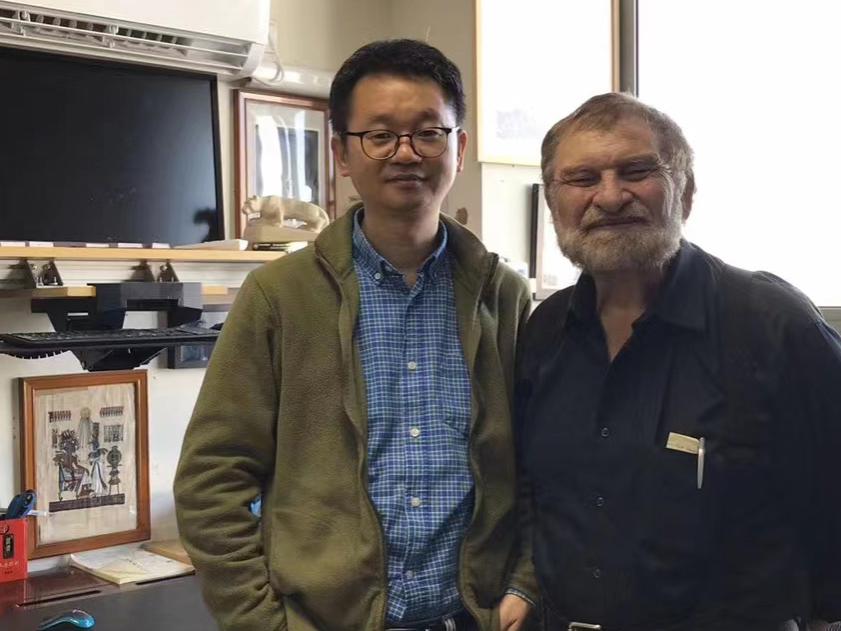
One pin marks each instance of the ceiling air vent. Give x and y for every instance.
(128, 42)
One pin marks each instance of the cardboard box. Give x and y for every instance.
(13, 565)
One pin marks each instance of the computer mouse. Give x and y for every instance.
(76, 617)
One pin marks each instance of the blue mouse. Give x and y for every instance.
(78, 618)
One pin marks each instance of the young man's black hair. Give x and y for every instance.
(401, 57)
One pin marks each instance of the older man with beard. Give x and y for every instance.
(677, 417)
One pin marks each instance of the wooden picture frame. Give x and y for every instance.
(96, 496)
(283, 148)
(550, 269)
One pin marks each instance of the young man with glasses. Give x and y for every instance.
(363, 386)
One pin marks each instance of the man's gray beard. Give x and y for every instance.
(625, 249)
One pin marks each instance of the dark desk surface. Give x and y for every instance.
(173, 604)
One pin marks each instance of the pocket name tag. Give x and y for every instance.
(686, 444)
(690, 445)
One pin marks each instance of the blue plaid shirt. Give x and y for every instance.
(419, 407)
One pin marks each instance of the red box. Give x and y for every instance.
(13, 566)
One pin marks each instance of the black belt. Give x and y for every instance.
(557, 623)
(788, 625)
(461, 621)
(553, 621)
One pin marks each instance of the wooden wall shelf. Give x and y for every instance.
(134, 254)
(210, 292)
(65, 272)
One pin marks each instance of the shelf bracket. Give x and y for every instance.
(42, 274)
(168, 274)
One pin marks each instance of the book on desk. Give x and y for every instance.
(128, 565)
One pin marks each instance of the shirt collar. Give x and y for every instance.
(682, 299)
(374, 264)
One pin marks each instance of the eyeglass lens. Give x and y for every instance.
(382, 144)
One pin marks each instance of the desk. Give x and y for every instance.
(173, 604)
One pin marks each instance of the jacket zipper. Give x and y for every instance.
(473, 469)
(364, 465)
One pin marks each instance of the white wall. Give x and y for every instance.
(320, 34)
(450, 26)
(506, 209)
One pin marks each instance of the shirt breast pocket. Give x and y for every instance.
(452, 397)
(741, 479)
(677, 526)
(454, 416)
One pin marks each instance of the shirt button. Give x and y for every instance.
(378, 276)
(597, 573)
(414, 432)
(412, 365)
(415, 502)
(605, 432)
(600, 501)
(409, 574)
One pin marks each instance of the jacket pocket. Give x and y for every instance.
(297, 620)
(326, 570)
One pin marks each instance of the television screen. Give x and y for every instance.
(107, 153)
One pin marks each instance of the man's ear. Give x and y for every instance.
(339, 148)
(688, 195)
(462, 148)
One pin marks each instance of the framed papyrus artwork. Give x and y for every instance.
(84, 451)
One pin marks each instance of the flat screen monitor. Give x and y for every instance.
(97, 152)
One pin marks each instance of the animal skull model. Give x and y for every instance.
(273, 210)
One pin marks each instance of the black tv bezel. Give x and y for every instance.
(40, 53)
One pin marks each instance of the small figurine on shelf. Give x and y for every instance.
(273, 219)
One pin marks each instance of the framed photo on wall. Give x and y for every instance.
(283, 148)
(84, 451)
(550, 269)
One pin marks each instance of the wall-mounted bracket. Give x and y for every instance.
(42, 274)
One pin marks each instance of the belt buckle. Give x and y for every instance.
(583, 626)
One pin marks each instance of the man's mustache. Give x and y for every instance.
(404, 174)
(597, 218)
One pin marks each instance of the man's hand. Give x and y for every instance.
(513, 612)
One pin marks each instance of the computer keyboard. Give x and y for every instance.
(124, 337)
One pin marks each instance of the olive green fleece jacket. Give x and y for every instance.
(283, 411)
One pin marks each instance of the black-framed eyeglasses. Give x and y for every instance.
(382, 144)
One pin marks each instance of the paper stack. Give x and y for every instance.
(128, 565)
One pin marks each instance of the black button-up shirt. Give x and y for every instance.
(622, 534)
